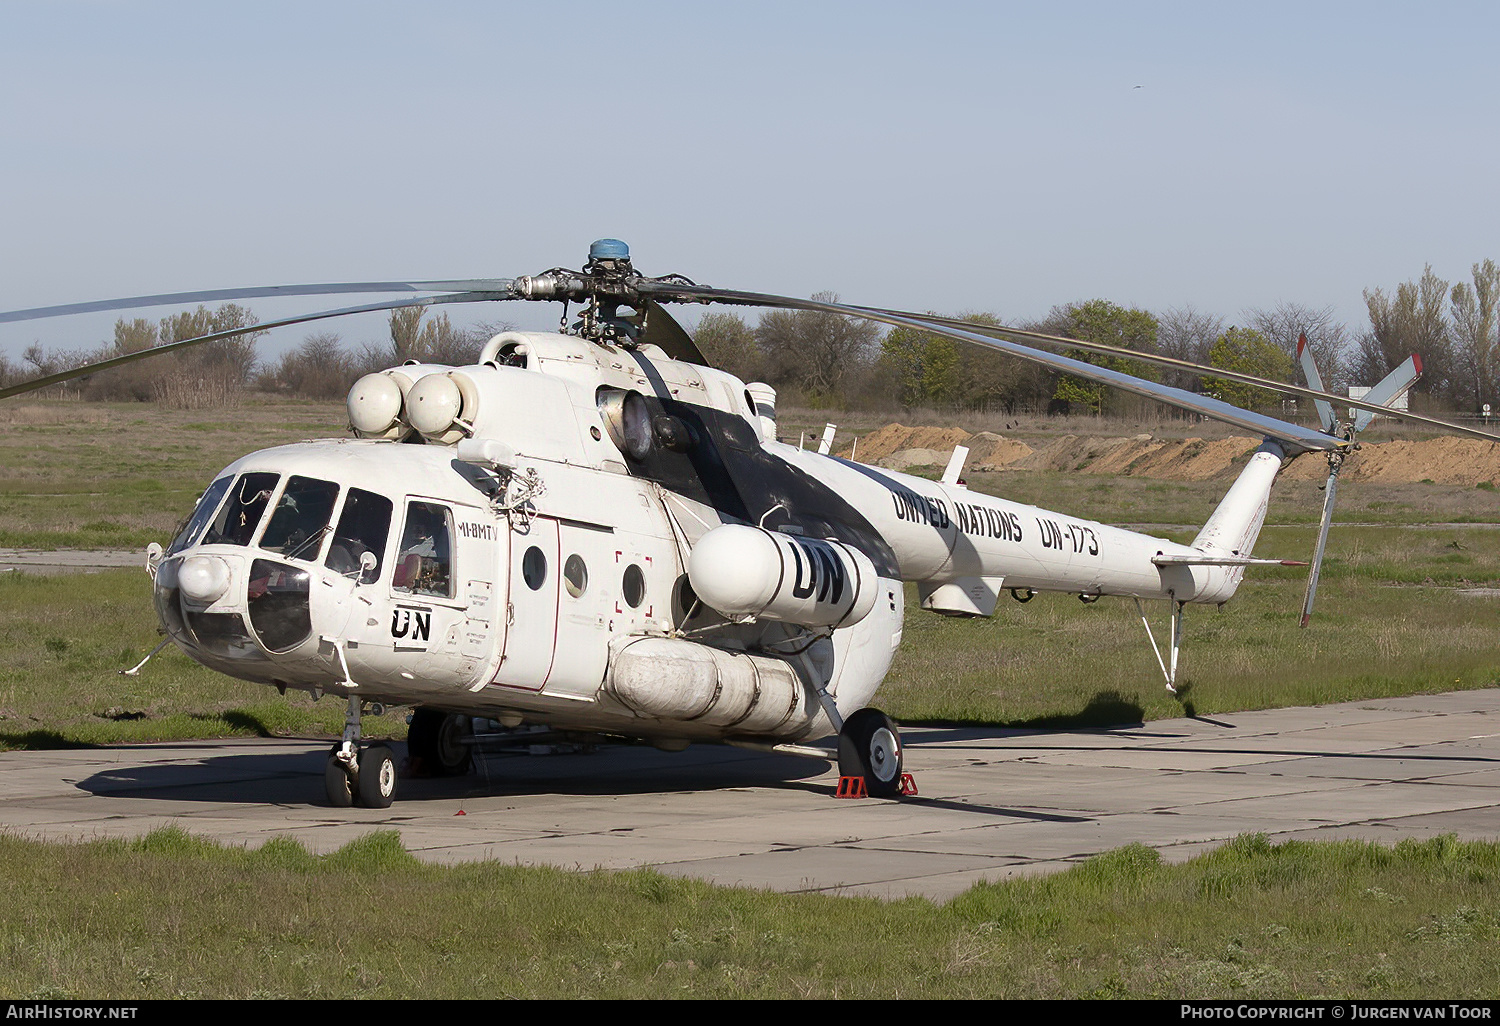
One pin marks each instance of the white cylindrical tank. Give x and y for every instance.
(375, 405)
(744, 571)
(763, 405)
(673, 679)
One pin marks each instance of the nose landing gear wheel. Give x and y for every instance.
(337, 782)
(870, 747)
(377, 778)
(373, 786)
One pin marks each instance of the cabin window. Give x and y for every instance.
(301, 518)
(534, 568)
(364, 525)
(424, 565)
(576, 575)
(207, 506)
(634, 586)
(237, 521)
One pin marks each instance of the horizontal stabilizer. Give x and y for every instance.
(1161, 560)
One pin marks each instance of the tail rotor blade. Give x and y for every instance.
(1326, 417)
(1330, 494)
(1391, 387)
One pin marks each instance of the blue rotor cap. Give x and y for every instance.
(609, 249)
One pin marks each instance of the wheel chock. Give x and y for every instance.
(851, 787)
(908, 785)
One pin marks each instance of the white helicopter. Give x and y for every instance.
(594, 530)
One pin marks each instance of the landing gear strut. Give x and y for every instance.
(870, 747)
(350, 775)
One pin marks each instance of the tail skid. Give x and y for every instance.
(1225, 543)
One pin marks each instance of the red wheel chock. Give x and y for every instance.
(854, 787)
(851, 787)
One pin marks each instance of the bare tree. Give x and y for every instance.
(1474, 336)
(816, 352)
(1186, 333)
(1327, 337)
(405, 325)
(729, 344)
(213, 374)
(1412, 321)
(319, 368)
(435, 341)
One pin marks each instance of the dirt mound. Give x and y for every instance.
(1455, 461)
(1069, 453)
(905, 459)
(892, 438)
(989, 451)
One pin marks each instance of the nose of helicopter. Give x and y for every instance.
(239, 615)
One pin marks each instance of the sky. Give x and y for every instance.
(941, 156)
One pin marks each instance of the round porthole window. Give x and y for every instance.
(575, 575)
(534, 568)
(634, 586)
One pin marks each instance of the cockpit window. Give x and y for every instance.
(301, 519)
(424, 565)
(237, 521)
(206, 507)
(363, 527)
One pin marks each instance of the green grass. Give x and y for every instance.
(1251, 920)
(1390, 620)
(124, 920)
(63, 641)
(102, 475)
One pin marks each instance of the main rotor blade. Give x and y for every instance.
(261, 292)
(1198, 368)
(92, 368)
(1295, 436)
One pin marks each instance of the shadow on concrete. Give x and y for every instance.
(1104, 709)
(40, 741)
(296, 778)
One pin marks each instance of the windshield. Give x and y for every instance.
(301, 519)
(237, 521)
(206, 507)
(363, 526)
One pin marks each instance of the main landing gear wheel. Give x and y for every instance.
(870, 747)
(377, 777)
(437, 743)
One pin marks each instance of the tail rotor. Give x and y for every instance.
(1391, 387)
